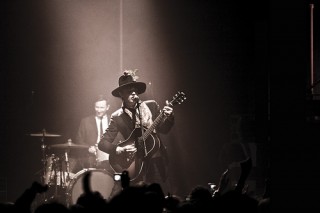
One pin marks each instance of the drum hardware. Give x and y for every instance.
(70, 150)
(69, 145)
(67, 164)
(58, 177)
(43, 134)
(57, 168)
(58, 171)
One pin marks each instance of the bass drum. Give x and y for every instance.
(100, 180)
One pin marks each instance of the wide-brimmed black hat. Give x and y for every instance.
(127, 80)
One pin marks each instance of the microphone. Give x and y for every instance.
(137, 100)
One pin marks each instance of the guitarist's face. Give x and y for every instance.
(129, 96)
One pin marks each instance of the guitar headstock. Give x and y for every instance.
(178, 98)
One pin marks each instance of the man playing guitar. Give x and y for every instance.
(142, 153)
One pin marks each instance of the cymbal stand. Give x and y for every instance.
(55, 177)
(44, 160)
(67, 165)
(60, 179)
(44, 164)
(55, 168)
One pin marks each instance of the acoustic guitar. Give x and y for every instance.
(146, 142)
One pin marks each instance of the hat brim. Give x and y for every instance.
(140, 86)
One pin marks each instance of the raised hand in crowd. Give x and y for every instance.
(90, 200)
(223, 183)
(246, 167)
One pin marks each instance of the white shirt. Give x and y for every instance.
(101, 156)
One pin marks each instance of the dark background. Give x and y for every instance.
(244, 66)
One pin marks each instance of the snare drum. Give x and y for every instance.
(100, 180)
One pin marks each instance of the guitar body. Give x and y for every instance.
(133, 163)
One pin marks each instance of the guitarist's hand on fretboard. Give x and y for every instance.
(168, 111)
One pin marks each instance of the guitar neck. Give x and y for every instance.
(178, 98)
(153, 126)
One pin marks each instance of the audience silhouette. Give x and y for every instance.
(149, 197)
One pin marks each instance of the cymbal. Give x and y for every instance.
(69, 145)
(44, 133)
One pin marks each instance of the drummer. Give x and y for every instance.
(89, 132)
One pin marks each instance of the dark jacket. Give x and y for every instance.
(88, 132)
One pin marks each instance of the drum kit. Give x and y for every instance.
(64, 185)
